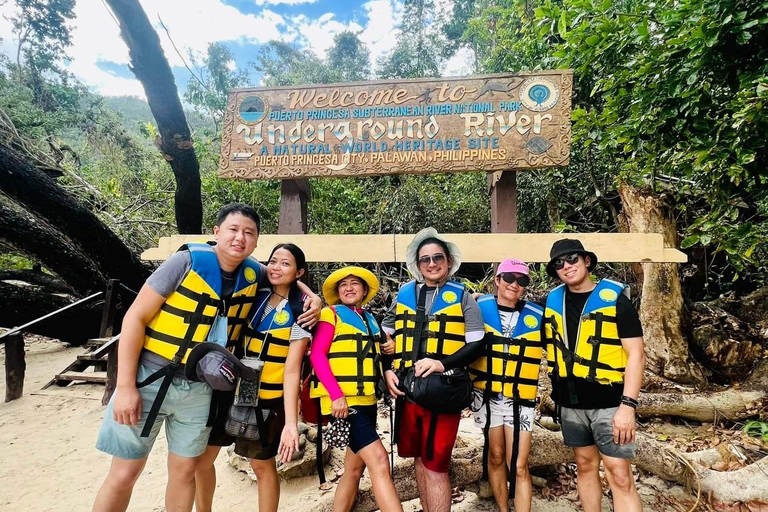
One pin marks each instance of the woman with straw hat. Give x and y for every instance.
(345, 358)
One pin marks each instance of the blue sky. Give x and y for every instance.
(100, 58)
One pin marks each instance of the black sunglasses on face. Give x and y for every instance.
(511, 277)
(570, 259)
(435, 258)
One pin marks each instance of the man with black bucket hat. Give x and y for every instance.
(596, 360)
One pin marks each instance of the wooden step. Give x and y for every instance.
(100, 377)
(92, 358)
(96, 342)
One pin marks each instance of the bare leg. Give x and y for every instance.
(205, 479)
(588, 466)
(115, 493)
(619, 475)
(375, 457)
(268, 482)
(346, 492)
(180, 493)
(438, 491)
(497, 467)
(421, 483)
(523, 487)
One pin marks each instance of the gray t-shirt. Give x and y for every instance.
(474, 328)
(167, 278)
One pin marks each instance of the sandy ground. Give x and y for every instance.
(49, 462)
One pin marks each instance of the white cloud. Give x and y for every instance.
(286, 2)
(317, 34)
(195, 24)
(461, 64)
(380, 32)
(192, 25)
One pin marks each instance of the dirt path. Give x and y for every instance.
(49, 462)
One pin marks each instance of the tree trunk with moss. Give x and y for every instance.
(661, 309)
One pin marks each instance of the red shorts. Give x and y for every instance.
(414, 431)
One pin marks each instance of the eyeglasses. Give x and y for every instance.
(437, 259)
(511, 277)
(569, 259)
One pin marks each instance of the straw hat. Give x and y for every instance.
(411, 253)
(331, 293)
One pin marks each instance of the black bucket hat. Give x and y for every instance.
(568, 246)
(218, 367)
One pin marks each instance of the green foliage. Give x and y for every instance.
(418, 49)
(756, 428)
(41, 32)
(208, 90)
(12, 261)
(348, 60)
(670, 93)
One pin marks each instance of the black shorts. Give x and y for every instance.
(362, 427)
(264, 450)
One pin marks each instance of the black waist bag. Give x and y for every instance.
(449, 392)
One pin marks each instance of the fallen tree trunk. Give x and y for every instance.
(661, 307)
(36, 238)
(151, 68)
(731, 404)
(548, 448)
(22, 304)
(34, 190)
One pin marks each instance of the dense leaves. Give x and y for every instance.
(669, 93)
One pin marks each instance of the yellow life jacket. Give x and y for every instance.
(268, 339)
(597, 354)
(443, 324)
(514, 361)
(188, 313)
(353, 355)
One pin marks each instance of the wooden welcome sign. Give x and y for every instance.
(480, 123)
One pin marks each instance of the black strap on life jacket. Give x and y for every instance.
(487, 402)
(568, 358)
(319, 444)
(169, 371)
(597, 341)
(390, 402)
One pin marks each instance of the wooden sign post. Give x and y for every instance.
(490, 123)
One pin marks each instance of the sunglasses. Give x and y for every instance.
(510, 277)
(437, 259)
(569, 259)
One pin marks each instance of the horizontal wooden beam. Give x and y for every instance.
(475, 248)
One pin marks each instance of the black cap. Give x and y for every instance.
(213, 364)
(568, 246)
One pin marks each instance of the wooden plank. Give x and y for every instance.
(105, 347)
(476, 248)
(83, 376)
(503, 187)
(294, 196)
(111, 383)
(15, 366)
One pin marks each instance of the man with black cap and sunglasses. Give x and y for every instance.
(596, 359)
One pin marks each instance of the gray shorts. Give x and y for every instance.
(587, 427)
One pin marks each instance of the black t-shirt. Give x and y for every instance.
(593, 395)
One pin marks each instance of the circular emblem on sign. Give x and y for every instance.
(249, 274)
(530, 321)
(252, 109)
(539, 94)
(608, 295)
(282, 317)
(449, 297)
